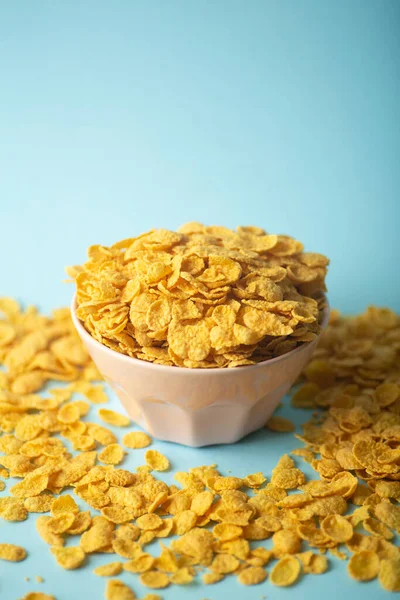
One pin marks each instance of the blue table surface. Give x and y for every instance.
(118, 117)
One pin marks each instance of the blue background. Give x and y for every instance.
(120, 116)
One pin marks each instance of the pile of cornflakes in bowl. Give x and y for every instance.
(203, 296)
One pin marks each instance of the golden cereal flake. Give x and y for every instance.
(136, 439)
(69, 558)
(226, 531)
(285, 572)
(211, 578)
(280, 424)
(254, 480)
(113, 418)
(224, 563)
(12, 509)
(202, 502)
(142, 563)
(286, 542)
(338, 528)
(117, 590)
(109, 570)
(363, 565)
(252, 576)
(113, 454)
(61, 522)
(64, 504)
(389, 574)
(182, 576)
(287, 479)
(156, 460)
(149, 522)
(154, 579)
(318, 564)
(95, 394)
(32, 485)
(81, 523)
(12, 553)
(125, 547)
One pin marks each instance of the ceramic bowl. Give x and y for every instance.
(197, 407)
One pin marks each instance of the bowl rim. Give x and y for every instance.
(191, 370)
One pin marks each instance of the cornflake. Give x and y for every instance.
(156, 460)
(12, 553)
(389, 574)
(109, 570)
(112, 454)
(252, 576)
(136, 439)
(285, 572)
(364, 565)
(280, 424)
(117, 590)
(113, 418)
(154, 579)
(69, 558)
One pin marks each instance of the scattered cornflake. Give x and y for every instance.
(113, 418)
(338, 528)
(69, 558)
(389, 574)
(254, 480)
(280, 424)
(113, 454)
(156, 460)
(109, 570)
(61, 522)
(39, 504)
(317, 565)
(149, 522)
(142, 563)
(285, 572)
(12, 509)
(252, 576)
(154, 579)
(136, 439)
(117, 590)
(39, 579)
(182, 576)
(95, 394)
(211, 578)
(286, 542)
(64, 504)
(364, 565)
(12, 553)
(224, 563)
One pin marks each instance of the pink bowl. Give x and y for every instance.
(197, 407)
